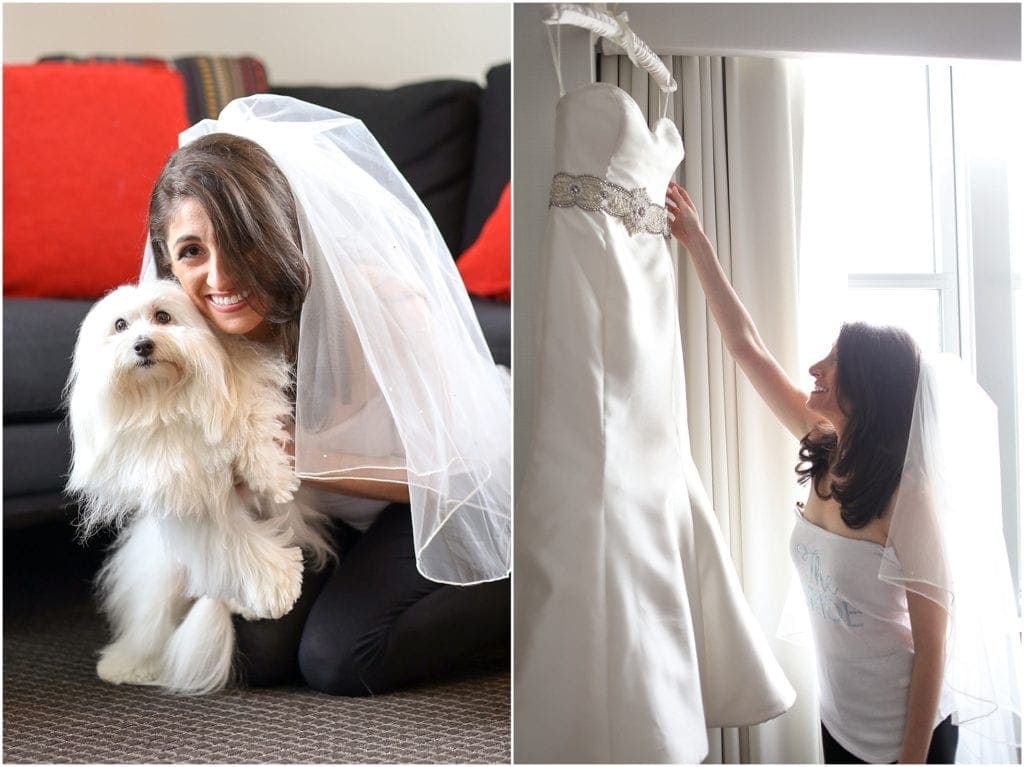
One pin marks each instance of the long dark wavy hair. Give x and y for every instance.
(253, 214)
(876, 376)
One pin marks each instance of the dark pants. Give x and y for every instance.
(941, 751)
(372, 623)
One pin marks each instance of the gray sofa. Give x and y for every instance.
(451, 139)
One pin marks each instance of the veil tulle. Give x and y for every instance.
(946, 543)
(394, 380)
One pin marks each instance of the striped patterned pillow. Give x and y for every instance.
(212, 81)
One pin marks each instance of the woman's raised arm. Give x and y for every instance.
(782, 395)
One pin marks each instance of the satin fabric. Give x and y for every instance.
(632, 633)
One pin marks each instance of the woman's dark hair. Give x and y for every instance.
(876, 378)
(254, 219)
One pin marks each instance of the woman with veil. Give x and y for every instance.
(899, 547)
(288, 224)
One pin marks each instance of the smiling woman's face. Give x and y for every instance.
(198, 265)
(824, 400)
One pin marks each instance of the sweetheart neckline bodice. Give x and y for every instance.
(601, 131)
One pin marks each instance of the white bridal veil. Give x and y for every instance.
(393, 379)
(946, 543)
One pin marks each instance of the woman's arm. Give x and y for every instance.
(928, 627)
(783, 397)
(395, 492)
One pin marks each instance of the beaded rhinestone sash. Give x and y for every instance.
(634, 207)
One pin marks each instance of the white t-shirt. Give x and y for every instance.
(865, 650)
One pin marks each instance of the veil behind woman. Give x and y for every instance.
(946, 543)
(394, 381)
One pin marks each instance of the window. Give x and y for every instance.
(913, 215)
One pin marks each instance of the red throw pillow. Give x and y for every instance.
(486, 265)
(83, 145)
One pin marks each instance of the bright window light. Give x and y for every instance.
(867, 164)
(916, 310)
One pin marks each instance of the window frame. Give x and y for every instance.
(947, 277)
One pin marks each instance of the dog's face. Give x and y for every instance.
(145, 337)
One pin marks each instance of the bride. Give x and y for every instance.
(287, 224)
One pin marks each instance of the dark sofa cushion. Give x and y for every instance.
(37, 457)
(492, 167)
(494, 321)
(428, 129)
(39, 339)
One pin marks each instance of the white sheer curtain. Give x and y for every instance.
(741, 121)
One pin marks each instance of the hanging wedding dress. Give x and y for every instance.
(632, 633)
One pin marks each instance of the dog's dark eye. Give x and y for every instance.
(120, 324)
(162, 317)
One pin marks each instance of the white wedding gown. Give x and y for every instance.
(632, 633)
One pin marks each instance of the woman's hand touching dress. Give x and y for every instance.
(686, 225)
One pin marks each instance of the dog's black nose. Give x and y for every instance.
(144, 347)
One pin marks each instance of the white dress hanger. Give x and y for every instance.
(616, 30)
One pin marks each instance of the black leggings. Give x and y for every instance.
(372, 623)
(941, 751)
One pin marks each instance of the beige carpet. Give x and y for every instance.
(56, 710)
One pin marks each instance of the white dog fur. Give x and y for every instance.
(179, 441)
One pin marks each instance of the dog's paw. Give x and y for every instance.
(280, 483)
(116, 666)
(285, 491)
(277, 589)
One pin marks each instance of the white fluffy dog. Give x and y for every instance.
(179, 440)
